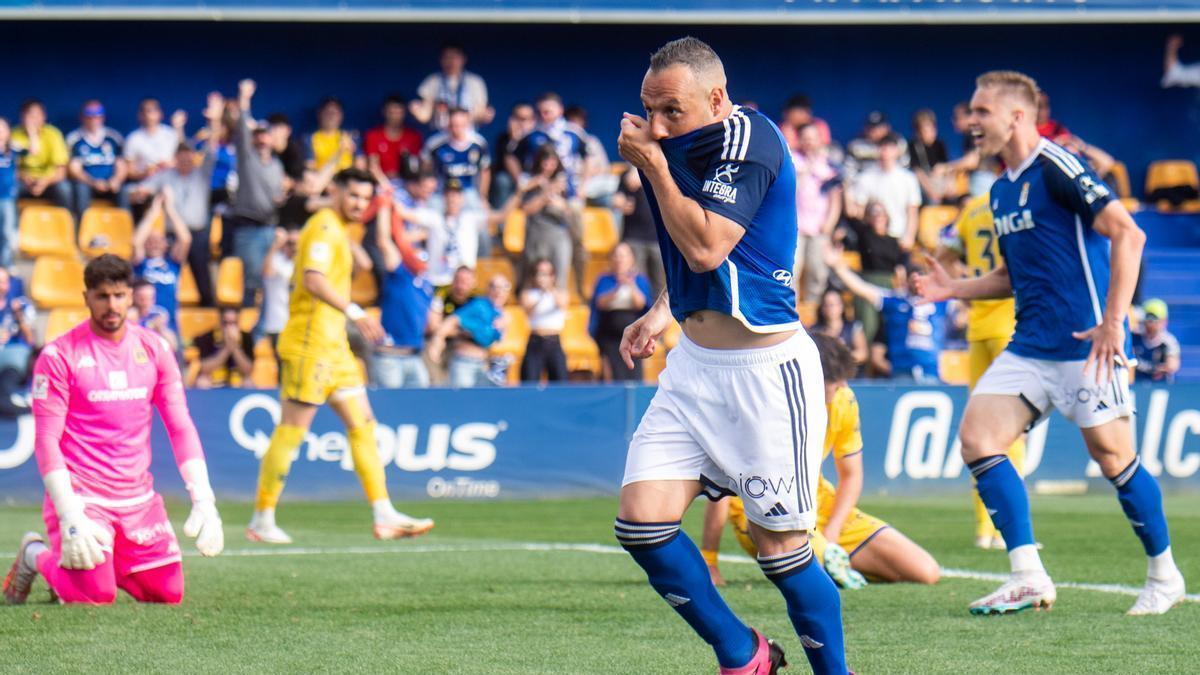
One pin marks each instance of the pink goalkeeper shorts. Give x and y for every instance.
(142, 535)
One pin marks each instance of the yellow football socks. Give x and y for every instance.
(273, 471)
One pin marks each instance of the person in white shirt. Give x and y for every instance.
(453, 239)
(1176, 73)
(453, 87)
(151, 147)
(893, 186)
(277, 271)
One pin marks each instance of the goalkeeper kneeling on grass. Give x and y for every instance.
(94, 390)
(851, 544)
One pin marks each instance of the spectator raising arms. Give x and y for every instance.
(154, 262)
(453, 87)
(620, 298)
(879, 253)
(42, 169)
(546, 306)
(187, 210)
(912, 336)
(96, 167)
(405, 301)
(253, 216)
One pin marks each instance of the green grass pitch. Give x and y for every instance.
(475, 597)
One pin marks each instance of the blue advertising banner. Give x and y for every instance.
(570, 441)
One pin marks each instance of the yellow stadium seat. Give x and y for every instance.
(807, 312)
(581, 350)
(931, 221)
(618, 168)
(514, 232)
(853, 260)
(516, 335)
(230, 282)
(265, 374)
(1119, 175)
(356, 232)
(1169, 173)
(214, 236)
(57, 282)
(486, 268)
(248, 319)
(1132, 205)
(46, 230)
(364, 290)
(954, 367)
(195, 321)
(63, 319)
(592, 271)
(1188, 206)
(105, 229)
(670, 337)
(188, 293)
(599, 230)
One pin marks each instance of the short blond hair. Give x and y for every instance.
(1012, 83)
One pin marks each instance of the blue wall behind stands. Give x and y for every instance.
(571, 441)
(1103, 78)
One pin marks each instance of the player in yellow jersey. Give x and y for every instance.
(990, 325)
(875, 549)
(318, 367)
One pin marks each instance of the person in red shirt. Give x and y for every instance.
(387, 143)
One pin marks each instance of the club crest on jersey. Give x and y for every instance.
(721, 186)
(1024, 199)
(139, 356)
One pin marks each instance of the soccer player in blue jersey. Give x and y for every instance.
(1071, 254)
(740, 408)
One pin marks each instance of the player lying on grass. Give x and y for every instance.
(876, 549)
(93, 391)
(1071, 254)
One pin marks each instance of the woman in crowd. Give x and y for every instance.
(832, 321)
(620, 297)
(546, 306)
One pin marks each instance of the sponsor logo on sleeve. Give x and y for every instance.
(41, 387)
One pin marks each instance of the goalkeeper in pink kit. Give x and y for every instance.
(106, 527)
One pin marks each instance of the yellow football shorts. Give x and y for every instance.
(311, 380)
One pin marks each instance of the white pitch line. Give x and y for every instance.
(603, 549)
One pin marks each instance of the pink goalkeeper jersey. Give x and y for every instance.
(92, 406)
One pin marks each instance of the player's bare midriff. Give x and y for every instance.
(715, 330)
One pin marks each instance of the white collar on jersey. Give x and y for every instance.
(1013, 174)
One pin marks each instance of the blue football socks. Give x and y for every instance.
(1003, 493)
(1141, 500)
(813, 605)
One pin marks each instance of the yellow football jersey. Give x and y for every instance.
(843, 437)
(314, 328)
(987, 319)
(324, 144)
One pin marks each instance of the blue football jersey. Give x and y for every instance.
(404, 302)
(568, 141)
(464, 161)
(1058, 264)
(100, 160)
(738, 168)
(163, 274)
(914, 334)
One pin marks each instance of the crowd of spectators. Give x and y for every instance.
(445, 195)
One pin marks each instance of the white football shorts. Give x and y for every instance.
(747, 422)
(1062, 385)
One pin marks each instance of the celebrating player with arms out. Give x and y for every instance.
(741, 400)
(318, 365)
(93, 390)
(1073, 288)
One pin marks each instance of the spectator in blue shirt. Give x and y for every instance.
(911, 337)
(462, 154)
(405, 301)
(472, 330)
(146, 311)
(97, 168)
(155, 261)
(8, 195)
(17, 317)
(567, 140)
(1157, 351)
(620, 298)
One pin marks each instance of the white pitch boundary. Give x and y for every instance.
(603, 549)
